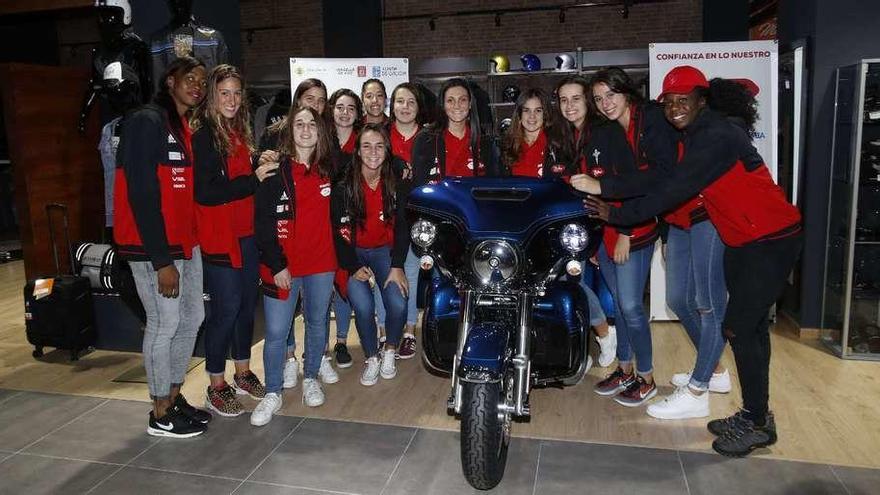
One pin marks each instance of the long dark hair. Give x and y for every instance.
(731, 99)
(572, 147)
(321, 154)
(512, 145)
(354, 178)
(358, 109)
(224, 129)
(177, 69)
(473, 114)
(619, 82)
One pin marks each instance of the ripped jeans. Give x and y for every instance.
(696, 292)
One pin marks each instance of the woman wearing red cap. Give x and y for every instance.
(694, 252)
(641, 141)
(762, 232)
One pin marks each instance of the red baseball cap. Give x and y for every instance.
(682, 80)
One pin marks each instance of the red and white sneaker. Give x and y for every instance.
(614, 383)
(407, 347)
(637, 393)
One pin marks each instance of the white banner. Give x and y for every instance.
(349, 73)
(753, 63)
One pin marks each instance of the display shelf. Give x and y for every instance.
(851, 299)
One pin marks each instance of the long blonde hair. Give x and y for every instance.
(224, 128)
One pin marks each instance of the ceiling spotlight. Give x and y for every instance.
(432, 24)
(561, 16)
(498, 20)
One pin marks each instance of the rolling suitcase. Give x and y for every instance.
(58, 310)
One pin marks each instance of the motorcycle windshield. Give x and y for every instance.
(508, 207)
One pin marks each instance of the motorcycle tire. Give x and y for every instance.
(484, 435)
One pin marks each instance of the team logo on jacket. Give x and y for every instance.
(282, 227)
(558, 168)
(171, 139)
(540, 170)
(345, 233)
(597, 172)
(178, 179)
(470, 164)
(325, 189)
(381, 216)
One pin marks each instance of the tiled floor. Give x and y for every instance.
(65, 444)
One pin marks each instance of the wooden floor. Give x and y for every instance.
(826, 408)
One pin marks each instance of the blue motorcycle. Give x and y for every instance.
(505, 311)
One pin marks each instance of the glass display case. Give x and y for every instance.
(851, 302)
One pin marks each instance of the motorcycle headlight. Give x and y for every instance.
(423, 233)
(574, 238)
(494, 261)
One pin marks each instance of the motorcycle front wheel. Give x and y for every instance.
(485, 434)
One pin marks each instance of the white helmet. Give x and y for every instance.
(121, 4)
(564, 61)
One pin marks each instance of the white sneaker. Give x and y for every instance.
(291, 372)
(313, 394)
(389, 367)
(371, 372)
(269, 405)
(719, 383)
(607, 347)
(326, 373)
(681, 404)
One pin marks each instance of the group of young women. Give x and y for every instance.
(316, 212)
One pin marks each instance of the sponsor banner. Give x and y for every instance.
(755, 65)
(349, 73)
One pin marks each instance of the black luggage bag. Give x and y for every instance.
(64, 318)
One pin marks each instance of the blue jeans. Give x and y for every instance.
(172, 323)
(627, 284)
(316, 292)
(363, 302)
(413, 271)
(696, 291)
(588, 280)
(342, 311)
(234, 293)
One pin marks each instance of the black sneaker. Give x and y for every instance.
(745, 436)
(719, 427)
(195, 415)
(175, 424)
(343, 358)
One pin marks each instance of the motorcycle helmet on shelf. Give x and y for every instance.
(504, 126)
(499, 63)
(510, 93)
(530, 62)
(564, 61)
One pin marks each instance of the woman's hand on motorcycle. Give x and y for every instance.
(621, 249)
(599, 209)
(397, 276)
(282, 279)
(585, 183)
(268, 156)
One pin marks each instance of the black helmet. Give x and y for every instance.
(510, 93)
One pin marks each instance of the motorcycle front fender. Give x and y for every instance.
(484, 352)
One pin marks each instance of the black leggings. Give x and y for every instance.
(756, 276)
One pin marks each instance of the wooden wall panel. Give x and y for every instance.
(52, 162)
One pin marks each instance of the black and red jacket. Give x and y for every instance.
(275, 223)
(224, 189)
(722, 166)
(154, 219)
(649, 148)
(346, 226)
(429, 157)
